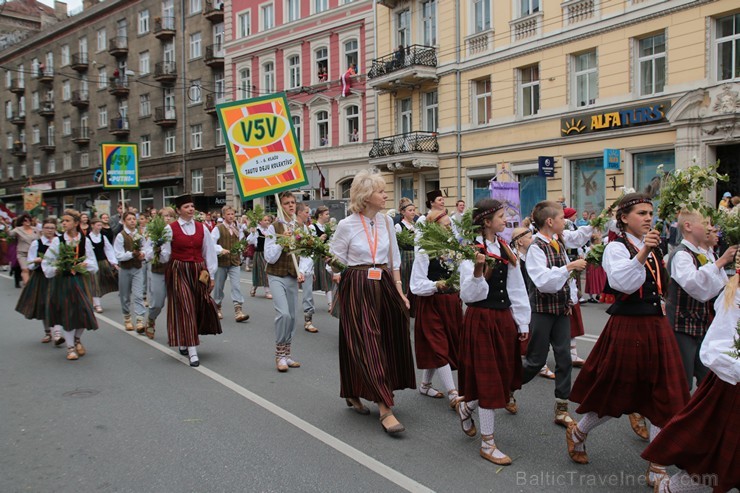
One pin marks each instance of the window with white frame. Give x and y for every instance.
(22, 105)
(243, 23)
(168, 51)
(8, 79)
(585, 75)
(267, 17)
(9, 140)
(195, 92)
(482, 101)
(144, 63)
(35, 135)
(322, 128)
(51, 165)
(67, 161)
(429, 22)
(529, 90)
(405, 116)
(430, 103)
(66, 90)
(84, 160)
(195, 6)
(64, 58)
(219, 136)
(66, 125)
(102, 78)
(34, 67)
(727, 44)
(50, 134)
(292, 10)
(36, 167)
(145, 145)
(294, 72)
(170, 192)
(322, 64)
(351, 54)
(403, 28)
(320, 5)
(196, 181)
(82, 47)
(21, 77)
(651, 60)
(219, 86)
(296, 120)
(196, 136)
(221, 179)
(195, 46)
(244, 86)
(146, 198)
(49, 62)
(169, 141)
(11, 171)
(23, 170)
(145, 105)
(8, 110)
(84, 122)
(352, 123)
(268, 78)
(84, 84)
(102, 39)
(35, 100)
(102, 116)
(528, 7)
(481, 15)
(143, 24)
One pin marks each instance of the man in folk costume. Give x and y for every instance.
(227, 235)
(189, 277)
(128, 248)
(284, 279)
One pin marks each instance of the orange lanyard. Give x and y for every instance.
(372, 245)
(656, 275)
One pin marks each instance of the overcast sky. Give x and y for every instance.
(71, 4)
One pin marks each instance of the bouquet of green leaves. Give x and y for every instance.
(329, 229)
(200, 217)
(729, 224)
(600, 221)
(255, 215)
(238, 247)
(405, 239)
(138, 242)
(595, 254)
(156, 231)
(67, 260)
(304, 244)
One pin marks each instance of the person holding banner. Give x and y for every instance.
(191, 252)
(375, 356)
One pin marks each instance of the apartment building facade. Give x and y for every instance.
(305, 48)
(143, 72)
(607, 90)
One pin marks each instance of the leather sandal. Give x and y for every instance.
(429, 391)
(253, 292)
(357, 406)
(487, 449)
(46, 339)
(579, 457)
(456, 399)
(393, 430)
(511, 406)
(637, 422)
(658, 471)
(465, 414)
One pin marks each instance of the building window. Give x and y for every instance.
(170, 193)
(219, 136)
(102, 79)
(196, 181)
(322, 64)
(51, 165)
(221, 179)
(66, 91)
(168, 51)
(294, 72)
(9, 141)
(292, 10)
(66, 125)
(728, 47)
(84, 160)
(587, 184)
(195, 51)
(352, 119)
(219, 86)
(34, 100)
(528, 7)
(145, 105)
(403, 28)
(351, 54)
(146, 198)
(322, 128)
(195, 6)
(169, 141)
(144, 63)
(268, 78)
(36, 167)
(481, 15)
(585, 77)
(529, 90)
(102, 116)
(431, 109)
(195, 93)
(196, 136)
(34, 67)
(102, 39)
(320, 5)
(482, 105)
(67, 161)
(267, 14)
(429, 22)
(243, 22)
(651, 58)
(344, 188)
(35, 134)
(245, 84)
(145, 147)
(404, 116)
(64, 59)
(296, 120)
(143, 21)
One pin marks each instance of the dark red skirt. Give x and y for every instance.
(635, 367)
(704, 438)
(439, 320)
(595, 279)
(490, 361)
(576, 322)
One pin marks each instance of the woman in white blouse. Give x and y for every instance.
(375, 356)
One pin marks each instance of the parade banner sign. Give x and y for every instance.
(262, 147)
(507, 192)
(32, 199)
(120, 163)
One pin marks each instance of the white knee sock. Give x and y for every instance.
(96, 301)
(78, 333)
(329, 297)
(654, 430)
(472, 405)
(590, 421)
(57, 330)
(573, 348)
(487, 426)
(192, 351)
(69, 337)
(683, 483)
(445, 374)
(426, 376)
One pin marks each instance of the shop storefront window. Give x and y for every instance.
(170, 192)
(146, 198)
(587, 185)
(646, 171)
(532, 189)
(481, 188)
(407, 187)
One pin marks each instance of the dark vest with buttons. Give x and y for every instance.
(42, 248)
(686, 314)
(284, 266)
(99, 248)
(646, 300)
(320, 231)
(128, 245)
(406, 248)
(551, 303)
(498, 296)
(81, 247)
(260, 241)
(527, 280)
(227, 242)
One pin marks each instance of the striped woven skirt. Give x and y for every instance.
(375, 356)
(437, 327)
(32, 301)
(105, 280)
(407, 263)
(69, 303)
(191, 311)
(259, 273)
(322, 278)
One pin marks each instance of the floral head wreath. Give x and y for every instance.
(479, 216)
(630, 203)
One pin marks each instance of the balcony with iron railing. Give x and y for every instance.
(79, 62)
(118, 86)
(407, 67)
(81, 136)
(47, 144)
(118, 46)
(412, 150)
(165, 116)
(80, 99)
(19, 149)
(118, 126)
(17, 118)
(17, 86)
(164, 28)
(214, 11)
(46, 109)
(165, 72)
(211, 101)
(45, 75)
(214, 56)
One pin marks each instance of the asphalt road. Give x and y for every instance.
(132, 416)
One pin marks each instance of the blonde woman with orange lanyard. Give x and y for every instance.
(635, 365)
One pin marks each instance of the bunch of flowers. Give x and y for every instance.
(238, 247)
(200, 217)
(255, 215)
(68, 261)
(729, 224)
(158, 234)
(405, 239)
(305, 244)
(138, 242)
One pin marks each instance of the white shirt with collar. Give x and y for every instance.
(216, 234)
(122, 255)
(703, 283)
(110, 253)
(625, 274)
(33, 252)
(351, 246)
(547, 279)
(720, 340)
(208, 250)
(47, 265)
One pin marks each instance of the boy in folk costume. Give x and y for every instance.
(284, 279)
(695, 282)
(157, 283)
(226, 235)
(306, 267)
(550, 269)
(128, 248)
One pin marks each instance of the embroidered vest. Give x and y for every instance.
(284, 265)
(646, 300)
(128, 245)
(498, 296)
(686, 314)
(227, 242)
(552, 303)
(187, 248)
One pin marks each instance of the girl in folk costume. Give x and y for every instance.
(306, 266)
(128, 248)
(375, 356)
(322, 278)
(157, 282)
(33, 298)
(496, 320)
(105, 280)
(635, 365)
(259, 265)
(69, 303)
(408, 212)
(703, 439)
(595, 275)
(439, 319)
(189, 278)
